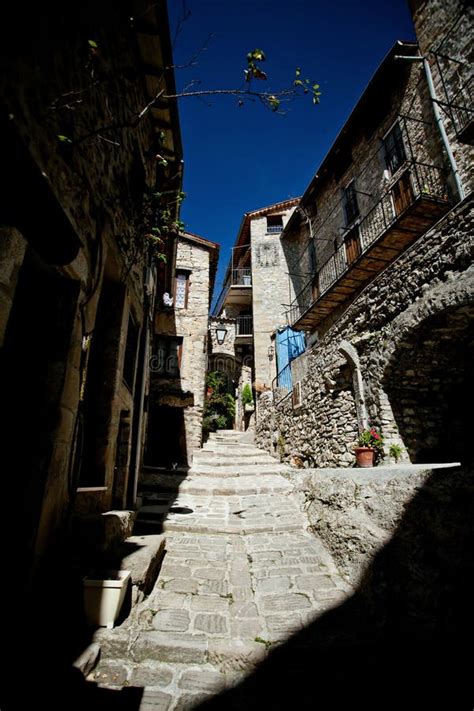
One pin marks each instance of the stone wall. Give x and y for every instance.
(190, 323)
(76, 162)
(444, 30)
(432, 278)
(399, 536)
(406, 97)
(270, 293)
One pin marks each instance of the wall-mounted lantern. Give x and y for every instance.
(221, 333)
(271, 352)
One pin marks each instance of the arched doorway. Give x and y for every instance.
(429, 382)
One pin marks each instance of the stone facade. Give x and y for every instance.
(271, 293)
(256, 294)
(391, 325)
(77, 285)
(411, 330)
(444, 32)
(187, 321)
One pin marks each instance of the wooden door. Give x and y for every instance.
(402, 194)
(352, 244)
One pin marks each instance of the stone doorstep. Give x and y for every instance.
(142, 555)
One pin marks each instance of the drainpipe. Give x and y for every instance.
(439, 121)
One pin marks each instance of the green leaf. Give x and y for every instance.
(257, 55)
(63, 139)
(161, 257)
(297, 72)
(93, 44)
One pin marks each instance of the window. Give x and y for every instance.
(131, 349)
(349, 201)
(181, 290)
(395, 154)
(166, 359)
(274, 224)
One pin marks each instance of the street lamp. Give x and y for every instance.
(221, 333)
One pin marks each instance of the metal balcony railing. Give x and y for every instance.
(244, 326)
(282, 385)
(274, 229)
(242, 277)
(417, 180)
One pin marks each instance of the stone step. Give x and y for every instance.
(239, 469)
(165, 685)
(229, 449)
(201, 485)
(142, 555)
(215, 459)
(181, 648)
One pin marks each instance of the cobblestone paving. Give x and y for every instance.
(241, 574)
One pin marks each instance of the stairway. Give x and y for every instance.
(241, 574)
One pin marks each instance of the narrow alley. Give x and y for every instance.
(240, 575)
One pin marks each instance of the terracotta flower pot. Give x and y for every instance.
(365, 456)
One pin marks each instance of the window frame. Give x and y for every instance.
(279, 225)
(186, 273)
(401, 155)
(351, 219)
(168, 341)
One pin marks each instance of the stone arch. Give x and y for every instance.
(352, 357)
(427, 380)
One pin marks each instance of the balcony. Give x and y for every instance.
(243, 328)
(239, 291)
(405, 211)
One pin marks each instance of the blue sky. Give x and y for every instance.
(240, 159)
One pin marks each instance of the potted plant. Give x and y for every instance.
(247, 398)
(369, 448)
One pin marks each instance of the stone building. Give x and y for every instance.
(255, 297)
(85, 151)
(178, 363)
(385, 232)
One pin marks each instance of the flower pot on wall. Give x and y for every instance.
(364, 456)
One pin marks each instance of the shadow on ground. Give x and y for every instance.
(402, 640)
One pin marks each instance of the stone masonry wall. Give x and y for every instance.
(270, 293)
(410, 98)
(191, 323)
(433, 276)
(446, 27)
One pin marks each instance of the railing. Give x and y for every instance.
(417, 180)
(244, 326)
(274, 229)
(242, 277)
(282, 385)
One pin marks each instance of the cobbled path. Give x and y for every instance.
(241, 574)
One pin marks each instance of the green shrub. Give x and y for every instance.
(219, 406)
(247, 397)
